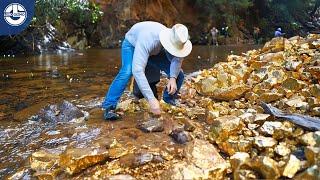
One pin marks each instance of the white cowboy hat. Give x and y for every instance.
(176, 40)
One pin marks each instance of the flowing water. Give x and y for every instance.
(27, 84)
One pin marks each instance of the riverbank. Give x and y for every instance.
(220, 131)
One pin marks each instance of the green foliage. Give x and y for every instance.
(81, 12)
(227, 8)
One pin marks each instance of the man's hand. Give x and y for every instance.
(172, 86)
(155, 107)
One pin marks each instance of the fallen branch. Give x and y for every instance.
(307, 122)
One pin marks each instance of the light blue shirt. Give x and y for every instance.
(144, 36)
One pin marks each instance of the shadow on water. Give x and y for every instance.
(29, 83)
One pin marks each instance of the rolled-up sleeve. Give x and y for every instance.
(175, 67)
(140, 60)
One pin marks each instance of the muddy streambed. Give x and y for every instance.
(28, 84)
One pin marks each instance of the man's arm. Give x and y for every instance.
(175, 66)
(140, 60)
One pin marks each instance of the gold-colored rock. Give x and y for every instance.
(297, 102)
(268, 127)
(275, 58)
(282, 149)
(231, 146)
(245, 174)
(315, 90)
(270, 97)
(312, 173)
(310, 139)
(293, 84)
(260, 118)
(292, 65)
(286, 130)
(45, 164)
(266, 166)
(212, 115)
(197, 113)
(315, 71)
(292, 167)
(75, 160)
(275, 45)
(251, 96)
(203, 154)
(312, 154)
(203, 162)
(226, 93)
(315, 111)
(225, 126)
(264, 142)
(238, 159)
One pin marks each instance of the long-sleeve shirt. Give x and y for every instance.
(144, 36)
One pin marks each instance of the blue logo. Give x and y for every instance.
(15, 15)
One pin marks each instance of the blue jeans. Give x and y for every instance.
(120, 82)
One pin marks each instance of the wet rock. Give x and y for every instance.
(118, 151)
(63, 112)
(151, 125)
(21, 174)
(76, 160)
(225, 126)
(292, 167)
(45, 164)
(180, 136)
(264, 142)
(266, 166)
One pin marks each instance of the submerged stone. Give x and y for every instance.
(151, 125)
(63, 112)
(180, 136)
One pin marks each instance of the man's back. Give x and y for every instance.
(147, 31)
